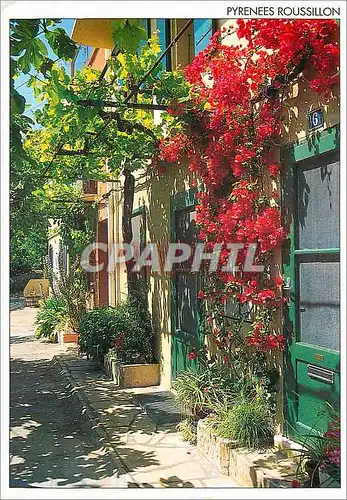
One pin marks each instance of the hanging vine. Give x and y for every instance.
(229, 132)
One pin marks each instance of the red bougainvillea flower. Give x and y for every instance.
(274, 169)
(229, 146)
(278, 280)
(192, 355)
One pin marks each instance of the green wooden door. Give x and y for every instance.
(311, 265)
(185, 314)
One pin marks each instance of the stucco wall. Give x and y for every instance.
(155, 194)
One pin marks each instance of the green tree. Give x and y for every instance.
(29, 55)
(88, 121)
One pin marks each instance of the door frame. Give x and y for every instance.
(180, 201)
(316, 144)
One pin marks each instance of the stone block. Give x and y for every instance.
(135, 375)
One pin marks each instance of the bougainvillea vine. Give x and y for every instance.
(230, 131)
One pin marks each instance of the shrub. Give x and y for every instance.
(51, 316)
(70, 286)
(247, 421)
(201, 392)
(125, 332)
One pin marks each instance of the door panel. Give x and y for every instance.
(186, 297)
(102, 258)
(310, 195)
(185, 286)
(313, 394)
(319, 303)
(318, 204)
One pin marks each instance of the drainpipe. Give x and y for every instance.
(116, 229)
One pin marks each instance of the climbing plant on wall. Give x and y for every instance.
(229, 132)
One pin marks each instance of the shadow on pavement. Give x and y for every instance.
(52, 442)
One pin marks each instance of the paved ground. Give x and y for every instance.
(53, 442)
(151, 453)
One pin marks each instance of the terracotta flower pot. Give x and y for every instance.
(70, 337)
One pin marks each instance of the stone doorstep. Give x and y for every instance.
(268, 469)
(288, 447)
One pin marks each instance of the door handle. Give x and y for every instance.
(287, 284)
(302, 309)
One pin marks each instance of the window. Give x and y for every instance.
(202, 33)
(164, 27)
(235, 311)
(146, 23)
(317, 250)
(90, 187)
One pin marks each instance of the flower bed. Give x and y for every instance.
(256, 469)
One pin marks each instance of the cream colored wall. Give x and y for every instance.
(154, 193)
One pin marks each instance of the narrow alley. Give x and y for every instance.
(51, 443)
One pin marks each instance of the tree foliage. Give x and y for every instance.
(29, 56)
(75, 133)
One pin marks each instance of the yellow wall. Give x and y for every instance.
(155, 195)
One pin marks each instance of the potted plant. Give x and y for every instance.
(69, 288)
(330, 467)
(319, 461)
(121, 338)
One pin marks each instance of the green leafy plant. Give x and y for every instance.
(125, 332)
(247, 421)
(70, 286)
(199, 393)
(320, 453)
(187, 430)
(51, 316)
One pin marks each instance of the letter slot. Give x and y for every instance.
(319, 373)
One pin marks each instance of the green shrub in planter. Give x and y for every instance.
(51, 316)
(247, 421)
(125, 331)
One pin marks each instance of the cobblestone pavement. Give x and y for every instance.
(55, 441)
(52, 444)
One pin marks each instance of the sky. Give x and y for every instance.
(32, 103)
